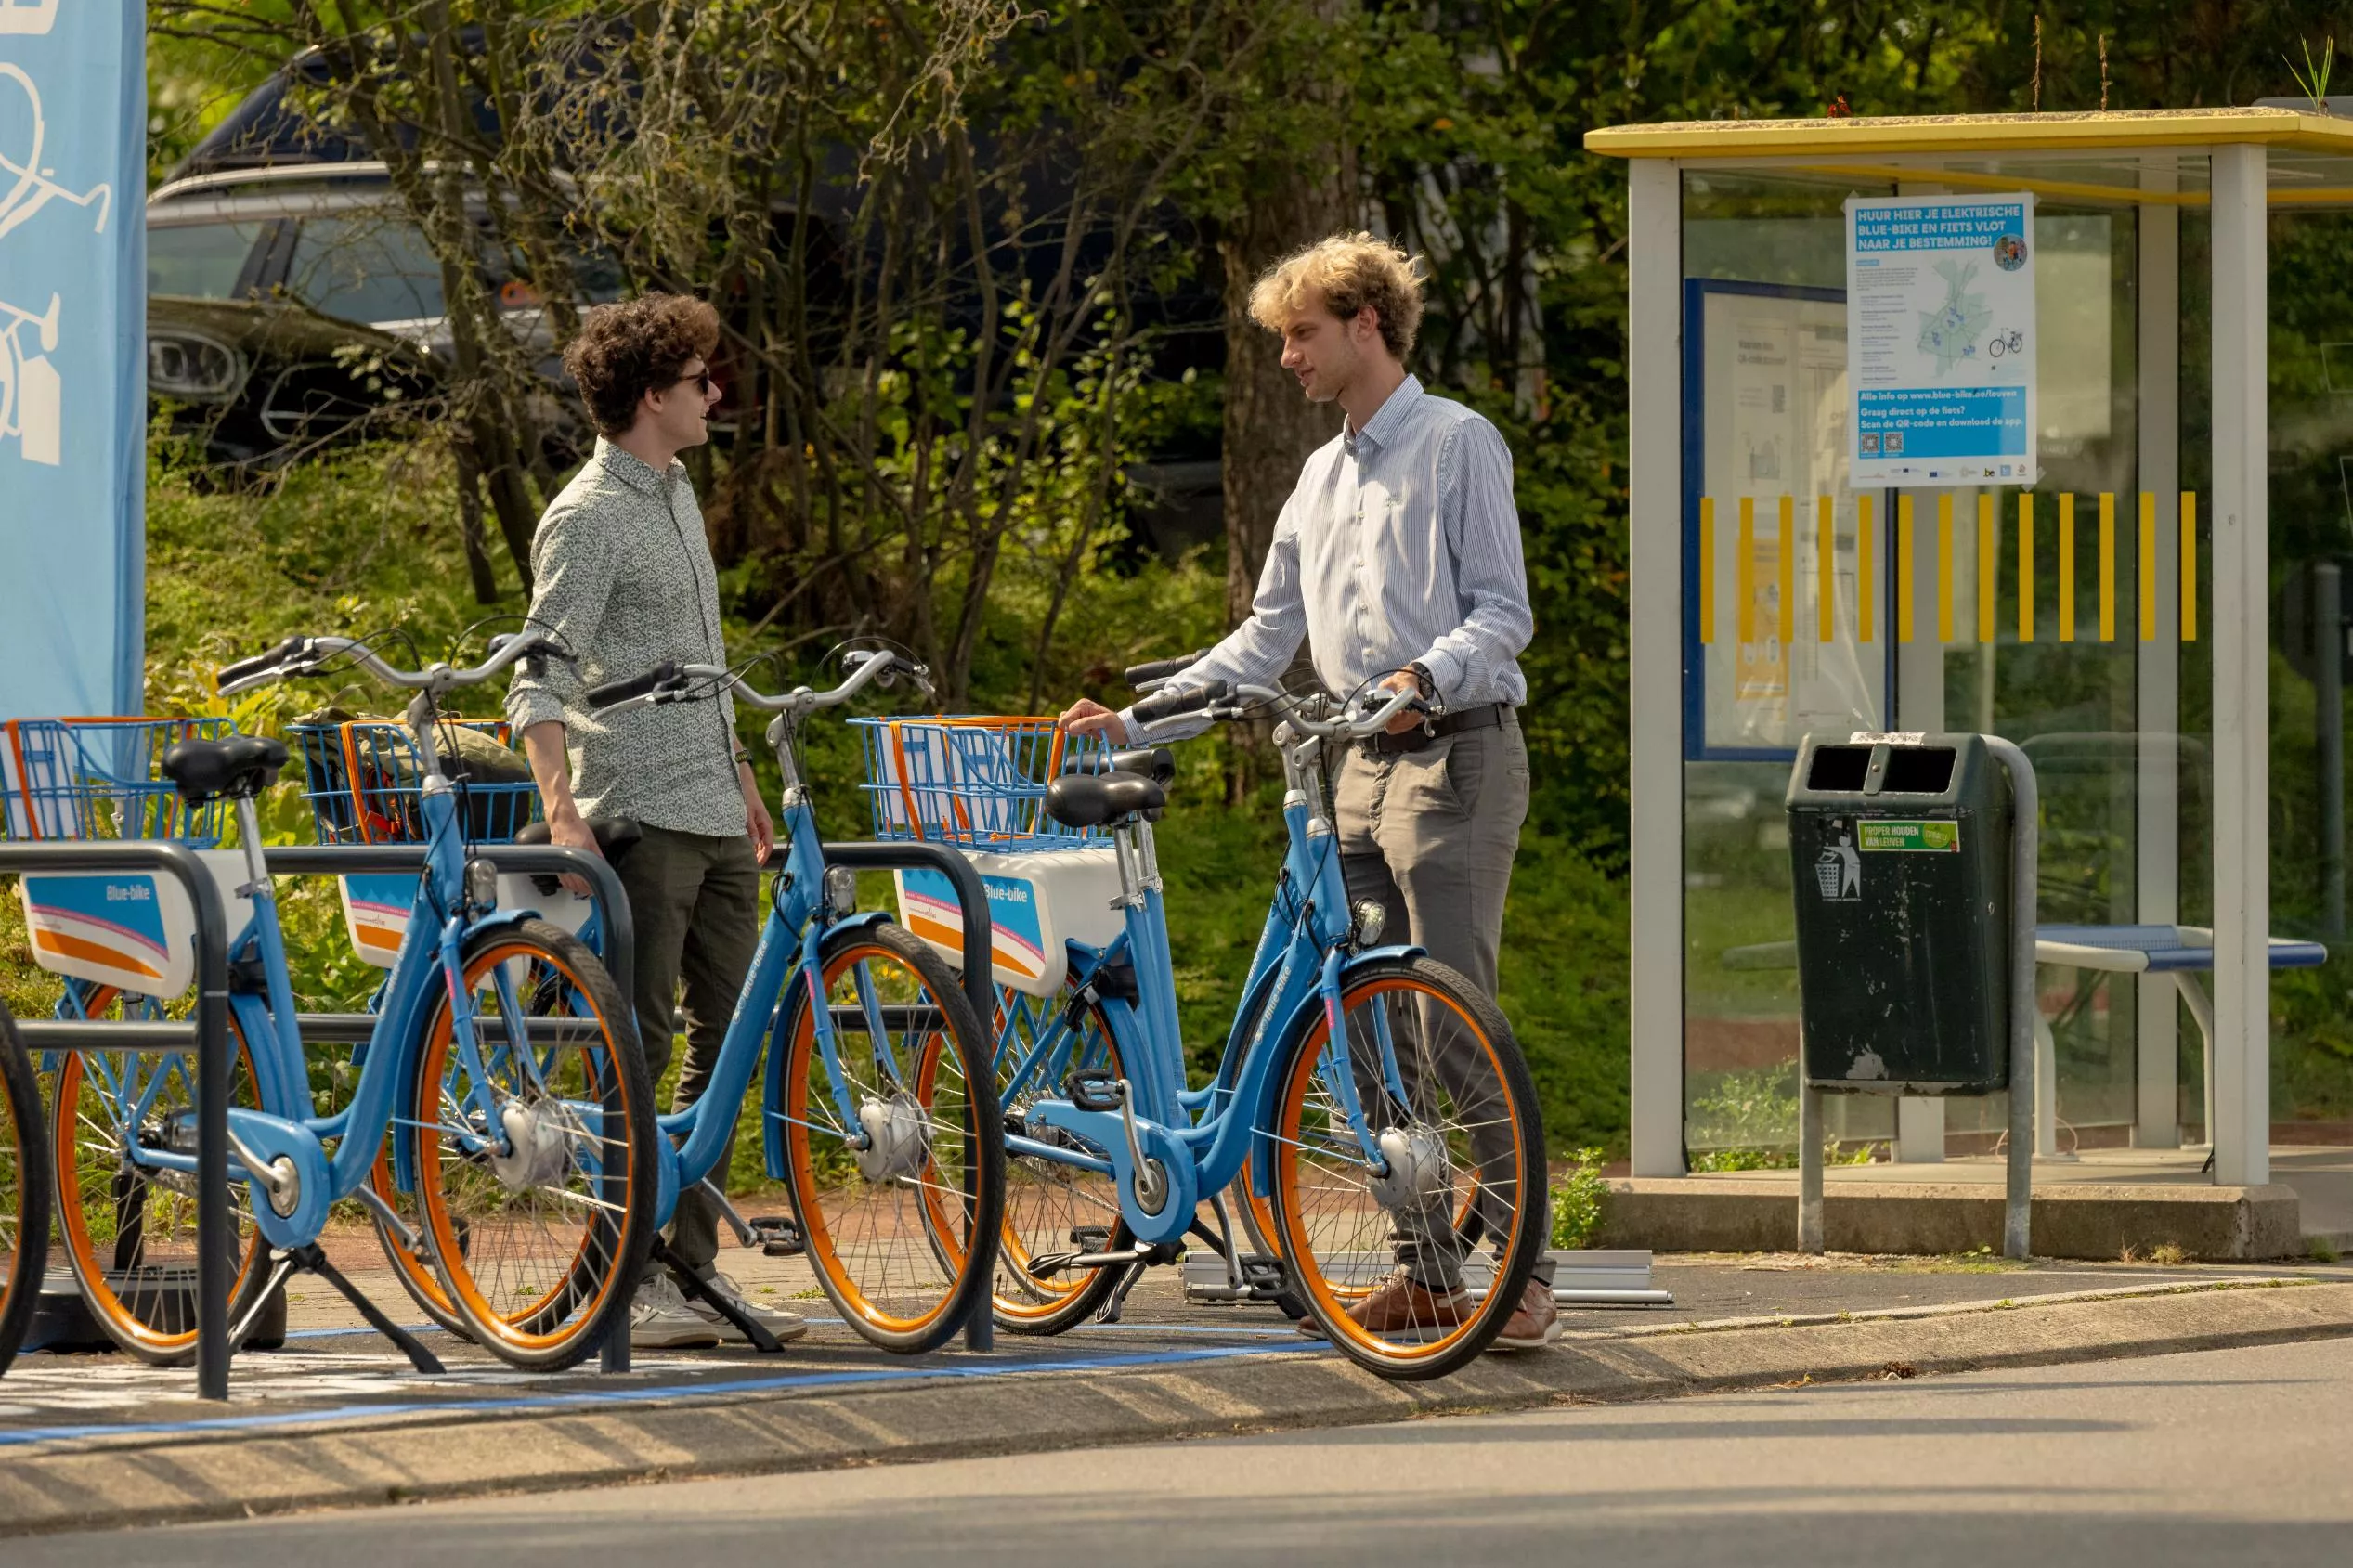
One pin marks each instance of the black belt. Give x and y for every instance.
(1488, 715)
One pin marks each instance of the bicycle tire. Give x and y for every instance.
(1333, 1227)
(567, 1295)
(920, 1294)
(155, 1322)
(1043, 1200)
(24, 1191)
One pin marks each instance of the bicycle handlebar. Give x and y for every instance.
(654, 687)
(1190, 699)
(1306, 714)
(301, 655)
(1143, 677)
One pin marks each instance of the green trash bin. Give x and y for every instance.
(1901, 851)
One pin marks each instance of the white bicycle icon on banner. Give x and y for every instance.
(32, 392)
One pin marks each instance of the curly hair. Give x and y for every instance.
(625, 351)
(1348, 272)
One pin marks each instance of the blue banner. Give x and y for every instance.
(72, 356)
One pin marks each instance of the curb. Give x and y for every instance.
(151, 1480)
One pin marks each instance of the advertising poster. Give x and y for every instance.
(1940, 339)
(72, 356)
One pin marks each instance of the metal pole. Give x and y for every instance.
(2328, 636)
(2025, 818)
(972, 901)
(1809, 1160)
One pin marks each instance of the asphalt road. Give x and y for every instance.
(2241, 1457)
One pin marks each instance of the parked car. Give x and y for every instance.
(292, 307)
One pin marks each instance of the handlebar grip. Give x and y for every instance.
(1193, 699)
(1160, 670)
(617, 692)
(259, 662)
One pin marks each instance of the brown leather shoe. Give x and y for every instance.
(1401, 1309)
(1536, 1324)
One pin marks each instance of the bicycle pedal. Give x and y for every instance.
(1091, 1238)
(779, 1236)
(1092, 1088)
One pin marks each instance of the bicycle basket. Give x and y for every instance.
(97, 778)
(363, 779)
(977, 782)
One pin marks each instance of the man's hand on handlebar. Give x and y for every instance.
(1087, 716)
(1410, 719)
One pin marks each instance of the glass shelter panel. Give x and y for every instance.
(1812, 608)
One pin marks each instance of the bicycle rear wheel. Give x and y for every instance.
(1380, 1252)
(901, 1199)
(24, 1191)
(1051, 1208)
(538, 1213)
(130, 1228)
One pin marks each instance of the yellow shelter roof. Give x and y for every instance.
(1978, 134)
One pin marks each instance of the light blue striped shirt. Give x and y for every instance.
(1402, 545)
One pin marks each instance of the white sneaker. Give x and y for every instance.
(777, 1320)
(659, 1319)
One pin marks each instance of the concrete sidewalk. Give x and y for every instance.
(92, 1441)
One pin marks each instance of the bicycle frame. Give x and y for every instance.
(1204, 1135)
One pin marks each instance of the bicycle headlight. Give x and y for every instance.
(1371, 920)
(482, 884)
(841, 891)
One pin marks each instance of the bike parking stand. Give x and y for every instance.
(205, 1035)
(980, 941)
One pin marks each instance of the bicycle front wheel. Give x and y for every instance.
(1377, 1244)
(129, 1227)
(24, 1191)
(534, 1154)
(901, 1190)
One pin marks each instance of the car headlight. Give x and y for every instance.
(184, 365)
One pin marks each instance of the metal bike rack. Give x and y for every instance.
(205, 1036)
(972, 900)
(604, 886)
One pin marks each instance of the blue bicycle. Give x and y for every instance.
(1376, 1101)
(504, 1065)
(894, 1166)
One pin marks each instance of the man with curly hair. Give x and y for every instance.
(624, 576)
(1396, 562)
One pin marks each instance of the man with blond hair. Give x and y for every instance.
(1397, 561)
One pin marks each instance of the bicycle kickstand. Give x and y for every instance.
(761, 1340)
(311, 1258)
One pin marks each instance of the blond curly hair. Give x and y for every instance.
(1348, 272)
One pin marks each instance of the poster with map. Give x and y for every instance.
(1940, 339)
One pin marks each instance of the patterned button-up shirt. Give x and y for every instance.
(624, 576)
(1401, 546)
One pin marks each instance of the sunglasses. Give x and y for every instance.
(702, 382)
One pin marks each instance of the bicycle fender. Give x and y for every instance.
(772, 1089)
(1262, 1168)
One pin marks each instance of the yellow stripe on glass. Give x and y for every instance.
(2189, 566)
(1988, 568)
(1825, 582)
(1788, 617)
(1863, 568)
(2067, 568)
(2107, 566)
(2148, 567)
(1706, 569)
(2025, 566)
(1904, 567)
(1944, 566)
(1744, 568)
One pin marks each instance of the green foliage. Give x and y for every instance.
(1576, 1202)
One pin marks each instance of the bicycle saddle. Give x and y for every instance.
(1154, 762)
(1090, 800)
(615, 838)
(235, 767)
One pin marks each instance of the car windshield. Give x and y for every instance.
(365, 267)
(201, 261)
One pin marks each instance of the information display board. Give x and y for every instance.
(1940, 339)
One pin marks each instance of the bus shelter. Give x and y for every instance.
(2038, 425)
